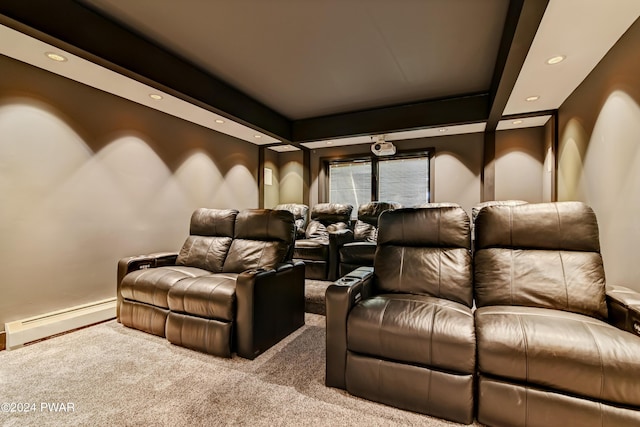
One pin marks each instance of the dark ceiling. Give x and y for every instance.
(304, 70)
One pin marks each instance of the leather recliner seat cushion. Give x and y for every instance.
(212, 296)
(415, 329)
(203, 253)
(577, 354)
(152, 285)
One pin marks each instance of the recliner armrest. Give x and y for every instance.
(340, 297)
(128, 264)
(361, 273)
(623, 305)
(288, 265)
(270, 305)
(138, 262)
(342, 236)
(336, 240)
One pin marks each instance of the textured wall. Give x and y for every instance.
(519, 164)
(291, 177)
(272, 191)
(599, 154)
(87, 178)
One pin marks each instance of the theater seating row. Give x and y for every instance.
(521, 332)
(330, 242)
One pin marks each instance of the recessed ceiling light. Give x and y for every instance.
(257, 136)
(55, 57)
(532, 98)
(443, 129)
(219, 121)
(556, 59)
(517, 122)
(155, 96)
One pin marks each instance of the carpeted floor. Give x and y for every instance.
(111, 375)
(314, 291)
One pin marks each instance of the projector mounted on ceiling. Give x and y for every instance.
(382, 147)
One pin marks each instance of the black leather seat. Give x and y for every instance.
(328, 229)
(547, 355)
(360, 252)
(300, 216)
(402, 332)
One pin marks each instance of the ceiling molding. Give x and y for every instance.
(521, 25)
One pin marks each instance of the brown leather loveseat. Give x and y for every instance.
(548, 354)
(232, 287)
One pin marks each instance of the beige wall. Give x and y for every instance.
(291, 177)
(599, 154)
(87, 178)
(272, 191)
(549, 165)
(519, 166)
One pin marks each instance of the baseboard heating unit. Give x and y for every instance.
(21, 332)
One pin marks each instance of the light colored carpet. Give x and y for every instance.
(119, 376)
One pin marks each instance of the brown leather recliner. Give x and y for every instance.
(232, 287)
(360, 251)
(477, 208)
(300, 215)
(402, 332)
(546, 354)
(329, 227)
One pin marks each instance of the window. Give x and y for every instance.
(350, 183)
(403, 178)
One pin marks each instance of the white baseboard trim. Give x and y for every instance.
(21, 332)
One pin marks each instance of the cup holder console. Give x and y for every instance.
(346, 280)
